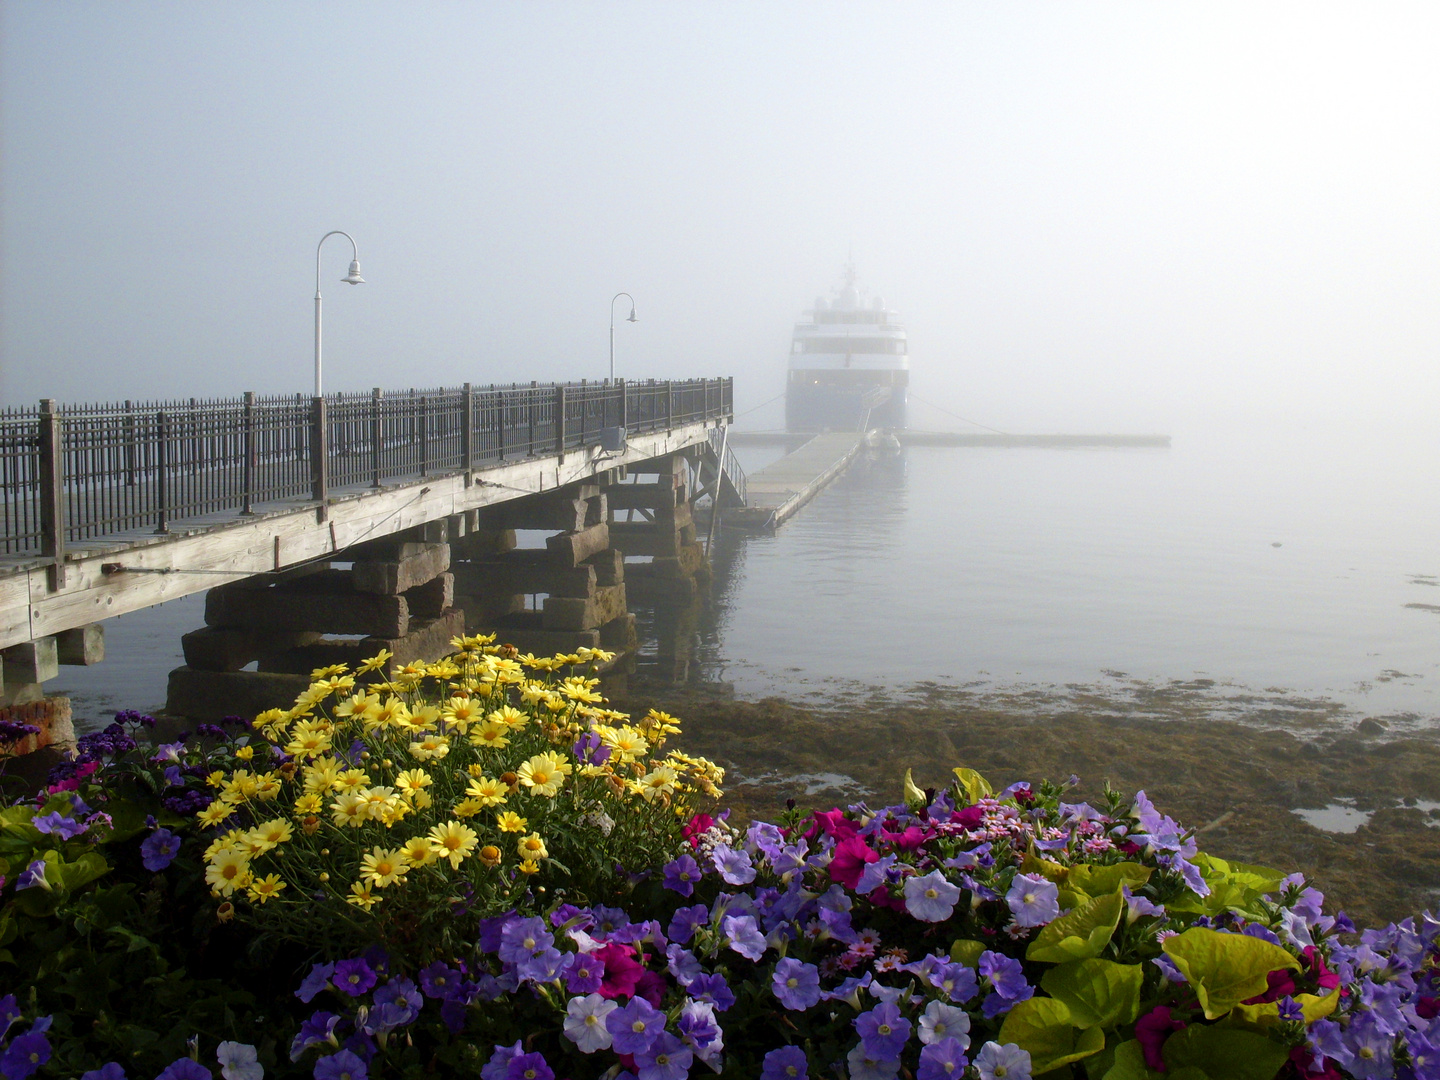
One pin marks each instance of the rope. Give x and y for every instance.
(774, 399)
(956, 415)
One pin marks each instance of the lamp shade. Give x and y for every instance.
(354, 278)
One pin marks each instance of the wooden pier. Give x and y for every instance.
(776, 492)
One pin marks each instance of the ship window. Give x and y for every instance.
(850, 345)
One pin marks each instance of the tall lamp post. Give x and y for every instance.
(612, 326)
(352, 278)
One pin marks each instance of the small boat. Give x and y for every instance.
(849, 366)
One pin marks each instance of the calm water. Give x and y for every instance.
(1045, 568)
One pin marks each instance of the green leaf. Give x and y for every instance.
(1042, 1028)
(1229, 1052)
(69, 876)
(914, 797)
(1225, 969)
(967, 951)
(1082, 933)
(974, 786)
(1102, 880)
(1130, 1064)
(1099, 993)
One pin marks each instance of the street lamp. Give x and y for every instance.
(612, 326)
(352, 278)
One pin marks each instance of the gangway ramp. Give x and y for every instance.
(776, 492)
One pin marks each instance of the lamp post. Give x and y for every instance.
(612, 327)
(352, 278)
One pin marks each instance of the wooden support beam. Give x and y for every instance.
(573, 548)
(32, 661)
(504, 575)
(82, 646)
(584, 613)
(420, 564)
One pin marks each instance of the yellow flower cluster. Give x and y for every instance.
(460, 767)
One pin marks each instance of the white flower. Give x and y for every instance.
(585, 1022)
(940, 1020)
(238, 1061)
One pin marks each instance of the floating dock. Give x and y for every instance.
(776, 492)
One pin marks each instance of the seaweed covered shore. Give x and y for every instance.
(1237, 781)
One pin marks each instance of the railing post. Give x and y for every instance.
(52, 492)
(669, 405)
(533, 395)
(162, 470)
(424, 424)
(248, 506)
(467, 437)
(376, 432)
(319, 459)
(560, 422)
(500, 423)
(624, 406)
(129, 444)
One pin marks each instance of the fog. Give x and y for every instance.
(1099, 216)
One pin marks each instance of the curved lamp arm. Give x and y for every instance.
(352, 278)
(612, 326)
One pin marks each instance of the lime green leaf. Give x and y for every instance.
(69, 876)
(1233, 1053)
(1225, 969)
(1099, 993)
(974, 786)
(1042, 1028)
(1102, 880)
(914, 797)
(967, 951)
(1130, 1064)
(1313, 1006)
(1080, 933)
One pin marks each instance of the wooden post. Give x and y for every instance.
(467, 437)
(624, 405)
(560, 422)
(248, 439)
(162, 469)
(376, 433)
(319, 459)
(52, 492)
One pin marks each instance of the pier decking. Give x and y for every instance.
(777, 491)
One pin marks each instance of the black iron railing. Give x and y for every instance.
(72, 473)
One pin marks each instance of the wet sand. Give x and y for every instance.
(1232, 764)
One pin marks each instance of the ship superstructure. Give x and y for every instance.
(849, 366)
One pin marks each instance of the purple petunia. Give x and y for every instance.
(499, 1062)
(743, 935)
(159, 850)
(397, 1004)
(33, 877)
(634, 1026)
(681, 875)
(319, 1028)
(786, 1063)
(943, 1059)
(1007, 983)
(354, 977)
(25, 1055)
(1033, 900)
(56, 823)
(528, 1067)
(713, 989)
(667, 1058)
(187, 1069)
(317, 980)
(586, 974)
(733, 866)
(523, 938)
(438, 980)
(796, 984)
(930, 898)
(863, 1065)
(1008, 1062)
(883, 1031)
(111, 1070)
(343, 1065)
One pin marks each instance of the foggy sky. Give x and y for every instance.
(1088, 215)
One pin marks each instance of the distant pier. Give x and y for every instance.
(778, 491)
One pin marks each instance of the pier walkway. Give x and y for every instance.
(776, 492)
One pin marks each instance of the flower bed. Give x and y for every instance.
(478, 867)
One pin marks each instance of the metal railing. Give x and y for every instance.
(72, 473)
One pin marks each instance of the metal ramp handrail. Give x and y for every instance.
(731, 473)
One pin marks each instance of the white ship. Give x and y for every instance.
(849, 366)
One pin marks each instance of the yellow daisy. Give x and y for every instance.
(544, 774)
(467, 808)
(509, 821)
(490, 736)
(488, 791)
(308, 804)
(381, 867)
(418, 851)
(453, 840)
(532, 847)
(362, 896)
(375, 663)
(228, 870)
(262, 889)
(430, 748)
(215, 813)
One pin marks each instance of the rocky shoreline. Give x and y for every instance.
(1239, 782)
